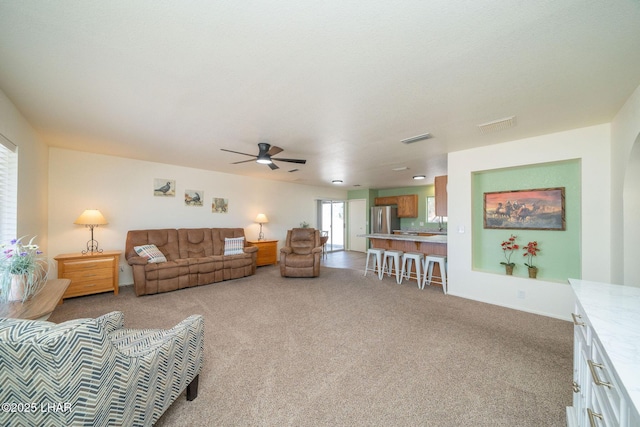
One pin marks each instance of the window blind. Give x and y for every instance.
(8, 190)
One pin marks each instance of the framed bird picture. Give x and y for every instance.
(163, 187)
(193, 197)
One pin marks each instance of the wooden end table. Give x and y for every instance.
(267, 251)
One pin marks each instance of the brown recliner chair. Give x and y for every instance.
(300, 257)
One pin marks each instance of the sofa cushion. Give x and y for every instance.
(151, 253)
(233, 246)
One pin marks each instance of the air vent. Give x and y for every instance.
(497, 125)
(417, 138)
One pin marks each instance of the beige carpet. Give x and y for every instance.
(348, 350)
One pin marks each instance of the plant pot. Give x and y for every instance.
(18, 284)
(533, 272)
(509, 269)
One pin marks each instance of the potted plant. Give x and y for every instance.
(23, 270)
(508, 246)
(530, 251)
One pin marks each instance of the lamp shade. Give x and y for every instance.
(262, 219)
(91, 217)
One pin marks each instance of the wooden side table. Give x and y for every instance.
(267, 251)
(90, 273)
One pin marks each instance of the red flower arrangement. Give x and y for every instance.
(530, 251)
(508, 246)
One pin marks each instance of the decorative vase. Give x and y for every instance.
(533, 272)
(18, 285)
(509, 269)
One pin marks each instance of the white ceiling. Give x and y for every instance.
(336, 82)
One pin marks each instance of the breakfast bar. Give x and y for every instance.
(428, 245)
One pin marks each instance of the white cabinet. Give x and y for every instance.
(606, 363)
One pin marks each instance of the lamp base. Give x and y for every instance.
(92, 247)
(261, 234)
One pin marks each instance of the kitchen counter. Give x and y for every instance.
(614, 314)
(428, 245)
(415, 232)
(408, 237)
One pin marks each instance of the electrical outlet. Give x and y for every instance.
(522, 295)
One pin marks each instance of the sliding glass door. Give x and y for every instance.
(331, 218)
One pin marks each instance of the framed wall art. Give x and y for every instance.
(164, 187)
(219, 205)
(538, 209)
(193, 197)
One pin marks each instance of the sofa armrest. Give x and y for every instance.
(250, 249)
(137, 260)
(286, 250)
(111, 321)
(316, 250)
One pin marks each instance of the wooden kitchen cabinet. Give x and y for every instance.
(90, 273)
(441, 195)
(408, 206)
(385, 201)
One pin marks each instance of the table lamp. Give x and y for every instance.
(261, 219)
(91, 218)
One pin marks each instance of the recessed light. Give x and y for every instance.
(419, 177)
(399, 169)
(336, 181)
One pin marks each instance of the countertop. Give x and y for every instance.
(614, 313)
(421, 231)
(407, 237)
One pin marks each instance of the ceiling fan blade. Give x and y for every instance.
(243, 161)
(274, 150)
(237, 152)
(273, 166)
(299, 161)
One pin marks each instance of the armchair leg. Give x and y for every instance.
(192, 389)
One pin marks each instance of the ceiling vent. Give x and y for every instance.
(497, 125)
(416, 138)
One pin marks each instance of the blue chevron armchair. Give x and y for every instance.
(95, 372)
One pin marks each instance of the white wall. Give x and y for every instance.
(32, 172)
(123, 191)
(592, 146)
(625, 231)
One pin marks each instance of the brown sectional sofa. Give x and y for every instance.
(195, 256)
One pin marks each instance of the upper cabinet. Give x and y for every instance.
(385, 201)
(441, 195)
(408, 206)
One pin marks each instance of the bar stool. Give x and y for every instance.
(429, 262)
(394, 259)
(407, 260)
(377, 261)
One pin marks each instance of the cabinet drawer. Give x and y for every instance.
(88, 264)
(581, 326)
(89, 287)
(88, 275)
(605, 383)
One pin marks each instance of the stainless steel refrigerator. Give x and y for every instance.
(384, 219)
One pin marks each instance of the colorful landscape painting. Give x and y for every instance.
(539, 209)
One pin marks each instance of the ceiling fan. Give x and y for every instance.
(264, 156)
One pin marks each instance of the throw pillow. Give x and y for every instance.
(233, 246)
(151, 253)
